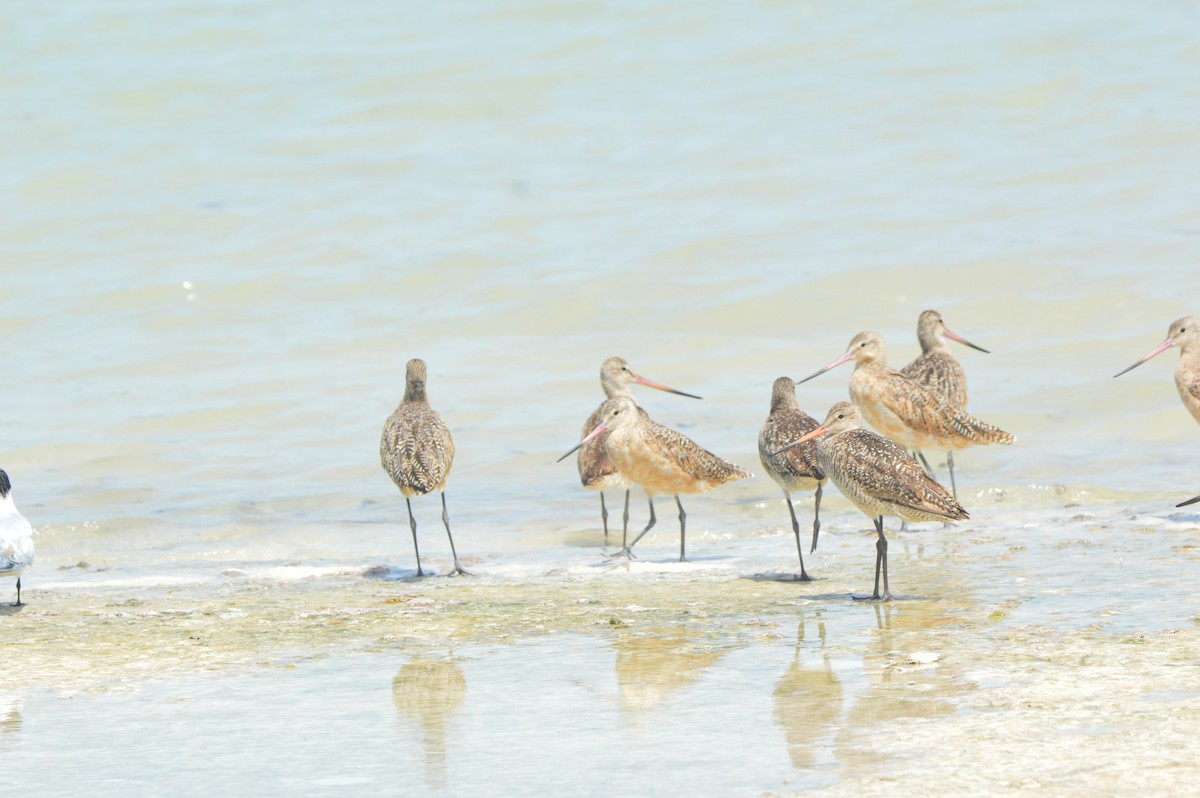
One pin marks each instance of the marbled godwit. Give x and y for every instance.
(16, 536)
(797, 468)
(1184, 333)
(879, 477)
(906, 411)
(596, 470)
(937, 369)
(659, 459)
(417, 452)
(935, 366)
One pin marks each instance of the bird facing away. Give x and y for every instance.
(935, 367)
(659, 459)
(417, 452)
(797, 468)
(1184, 333)
(596, 470)
(906, 411)
(880, 478)
(16, 536)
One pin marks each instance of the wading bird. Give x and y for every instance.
(797, 468)
(596, 470)
(417, 452)
(16, 536)
(906, 411)
(659, 459)
(879, 477)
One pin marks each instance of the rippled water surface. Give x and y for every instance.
(227, 226)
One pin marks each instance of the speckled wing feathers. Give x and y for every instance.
(800, 463)
(866, 466)
(416, 449)
(940, 372)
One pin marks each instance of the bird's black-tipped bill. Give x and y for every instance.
(1164, 346)
(1192, 500)
(834, 364)
(649, 384)
(600, 430)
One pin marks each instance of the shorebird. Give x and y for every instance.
(1184, 333)
(935, 367)
(417, 452)
(797, 468)
(596, 470)
(659, 459)
(16, 536)
(906, 411)
(879, 477)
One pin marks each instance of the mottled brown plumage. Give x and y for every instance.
(935, 367)
(906, 411)
(659, 459)
(596, 470)
(417, 452)
(879, 477)
(797, 468)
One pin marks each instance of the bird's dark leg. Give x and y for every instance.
(627, 551)
(925, 464)
(881, 547)
(950, 463)
(804, 577)
(682, 530)
(412, 523)
(604, 517)
(458, 569)
(816, 519)
(18, 604)
(625, 520)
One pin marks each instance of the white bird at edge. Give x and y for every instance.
(16, 536)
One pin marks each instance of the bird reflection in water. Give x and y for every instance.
(651, 669)
(430, 691)
(907, 677)
(808, 702)
(11, 715)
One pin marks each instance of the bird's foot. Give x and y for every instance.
(874, 597)
(802, 577)
(626, 552)
(459, 571)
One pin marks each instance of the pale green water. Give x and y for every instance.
(227, 226)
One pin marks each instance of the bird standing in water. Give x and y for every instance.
(659, 459)
(796, 468)
(935, 367)
(903, 409)
(879, 477)
(16, 537)
(1184, 333)
(596, 470)
(417, 452)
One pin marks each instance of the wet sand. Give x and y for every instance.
(982, 677)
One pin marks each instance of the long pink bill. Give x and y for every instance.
(1158, 350)
(834, 364)
(599, 430)
(963, 341)
(818, 432)
(649, 384)
(1192, 500)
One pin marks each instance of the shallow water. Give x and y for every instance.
(229, 225)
